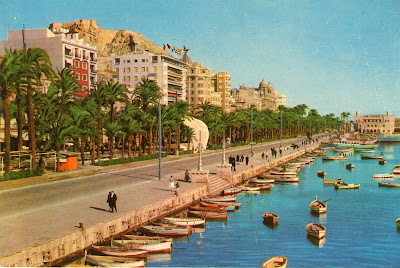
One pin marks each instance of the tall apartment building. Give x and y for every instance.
(378, 124)
(222, 85)
(280, 99)
(64, 49)
(168, 72)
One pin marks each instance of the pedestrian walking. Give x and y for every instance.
(262, 156)
(280, 151)
(233, 165)
(266, 155)
(247, 160)
(176, 188)
(112, 201)
(171, 183)
(237, 158)
(242, 158)
(187, 177)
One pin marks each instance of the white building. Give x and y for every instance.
(280, 99)
(379, 124)
(64, 49)
(168, 72)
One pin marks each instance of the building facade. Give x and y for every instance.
(379, 124)
(280, 99)
(222, 85)
(64, 49)
(168, 72)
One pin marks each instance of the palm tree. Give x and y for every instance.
(180, 111)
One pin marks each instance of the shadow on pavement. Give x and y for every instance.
(102, 209)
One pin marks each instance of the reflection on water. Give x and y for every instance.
(317, 242)
(270, 224)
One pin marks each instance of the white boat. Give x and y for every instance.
(167, 231)
(287, 180)
(283, 173)
(318, 206)
(382, 176)
(275, 262)
(231, 191)
(389, 138)
(249, 189)
(108, 261)
(262, 181)
(150, 246)
(396, 169)
(185, 221)
(334, 157)
(342, 185)
(228, 198)
(316, 230)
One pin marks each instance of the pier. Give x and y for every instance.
(86, 223)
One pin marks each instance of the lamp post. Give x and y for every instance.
(310, 128)
(280, 140)
(298, 126)
(251, 131)
(200, 167)
(223, 147)
(159, 139)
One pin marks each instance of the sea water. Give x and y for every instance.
(360, 223)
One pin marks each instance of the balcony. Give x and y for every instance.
(68, 53)
(86, 57)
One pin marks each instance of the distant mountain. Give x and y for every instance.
(109, 43)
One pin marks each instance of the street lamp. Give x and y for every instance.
(200, 166)
(280, 143)
(251, 131)
(159, 139)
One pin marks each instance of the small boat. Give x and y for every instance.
(218, 206)
(389, 184)
(382, 176)
(363, 156)
(167, 231)
(332, 181)
(147, 238)
(248, 188)
(208, 208)
(284, 173)
(350, 166)
(185, 221)
(318, 206)
(382, 162)
(228, 198)
(109, 261)
(209, 215)
(349, 150)
(119, 252)
(334, 157)
(321, 174)
(316, 230)
(396, 169)
(261, 181)
(226, 204)
(287, 180)
(366, 151)
(233, 190)
(270, 218)
(149, 245)
(343, 185)
(275, 262)
(265, 187)
(398, 223)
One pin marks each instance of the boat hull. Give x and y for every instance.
(316, 230)
(107, 261)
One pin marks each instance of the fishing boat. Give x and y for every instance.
(207, 208)
(231, 191)
(318, 206)
(382, 176)
(247, 188)
(147, 238)
(109, 261)
(350, 166)
(262, 181)
(265, 187)
(396, 169)
(321, 174)
(226, 204)
(149, 245)
(332, 181)
(221, 199)
(287, 180)
(219, 206)
(382, 162)
(389, 184)
(342, 151)
(363, 156)
(275, 262)
(186, 221)
(343, 185)
(283, 173)
(316, 230)
(366, 151)
(270, 218)
(208, 214)
(119, 252)
(334, 157)
(167, 231)
(398, 223)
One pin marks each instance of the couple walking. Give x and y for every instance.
(112, 201)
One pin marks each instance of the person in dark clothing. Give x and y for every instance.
(237, 158)
(242, 159)
(262, 156)
(187, 177)
(112, 201)
(233, 164)
(247, 160)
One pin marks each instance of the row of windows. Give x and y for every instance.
(78, 77)
(136, 78)
(118, 60)
(77, 64)
(136, 69)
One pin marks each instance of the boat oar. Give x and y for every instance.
(326, 200)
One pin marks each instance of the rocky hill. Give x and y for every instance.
(109, 42)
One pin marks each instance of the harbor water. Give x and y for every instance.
(360, 223)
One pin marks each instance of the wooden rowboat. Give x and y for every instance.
(108, 261)
(261, 181)
(350, 166)
(332, 181)
(389, 184)
(382, 176)
(270, 218)
(147, 238)
(218, 206)
(233, 190)
(119, 252)
(343, 185)
(371, 156)
(184, 221)
(209, 215)
(288, 180)
(227, 204)
(321, 174)
(208, 208)
(275, 262)
(221, 199)
(318, 206)
(334, 157)
(248, 188)
(284, 173)
(316, 230)
(398, 223)
(167, 231)
(150, 246)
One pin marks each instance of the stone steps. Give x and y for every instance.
(216, 185)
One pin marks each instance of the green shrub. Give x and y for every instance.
(23, 173)
(185, 152)
(129, 160)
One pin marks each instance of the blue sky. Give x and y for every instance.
(334, 56)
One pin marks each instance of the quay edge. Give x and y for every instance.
(51, 252)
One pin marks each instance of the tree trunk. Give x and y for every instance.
(129, 146)
(140, 145)
(123, 147)
(83, 151)
(134, 144)
(31, 126)
(7, 133)
(150, 140)
(93, 151)
(169, 140)
(58, 148)
(19, 123)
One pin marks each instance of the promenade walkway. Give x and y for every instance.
(37, 210)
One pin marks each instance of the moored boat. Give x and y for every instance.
(275, 262)
(185, 221)
(287, 180)
(321, 174)
(318, 206)
(334, 157)
(261, 181)
(382, 162)
(207, 208)
(342, 185)
(167, 231)
(270, 218)
(119, 252)
(283, 173)
(228, 198)
(363, 156)
(316, 230)
(233, 190)
(109, 261)
(398, 223)
(226, 204)
(149, 245)
(147, 238)
(382, 176)
(219, 206)
(350, 166)
(389, 184)
(396, 169)
(332, 181)
(247, 188)
(209, 215)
